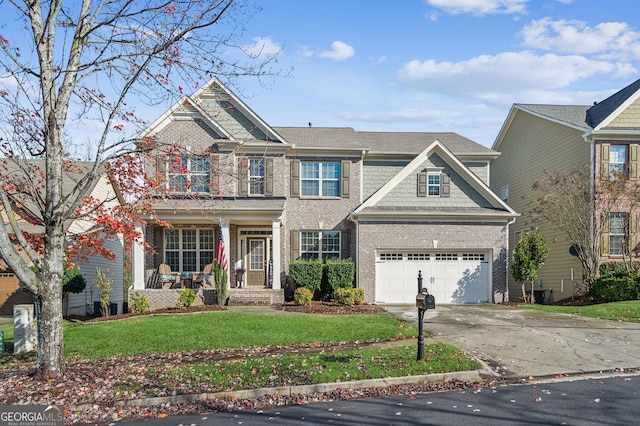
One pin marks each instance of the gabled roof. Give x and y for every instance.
(500, 208)
(587, 118)
(322, 137)
(31, 172)
(213, 90)
(603, 112)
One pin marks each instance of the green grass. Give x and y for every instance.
(617, 311)
(213, 330)
(291, 370)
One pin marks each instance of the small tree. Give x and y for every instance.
(103, 282)
(530, 254)
(220, 277)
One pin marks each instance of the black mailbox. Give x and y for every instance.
(421, 301)
(425, 301)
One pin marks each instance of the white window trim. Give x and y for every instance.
(320, 179)
(432, 185)
(189, 174)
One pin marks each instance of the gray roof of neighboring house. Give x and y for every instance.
(378, 142)
(416, 142)
(570, 114)
(597, 113)
(321, 137)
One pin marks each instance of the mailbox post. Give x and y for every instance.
(424, 301)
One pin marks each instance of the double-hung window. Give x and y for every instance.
(320, 244)
(256, 176)
(189, 250)
(189, 174)
(618, 224)
(433, 184)
(320, 179)
(617, 160)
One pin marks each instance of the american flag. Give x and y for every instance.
(221, 255)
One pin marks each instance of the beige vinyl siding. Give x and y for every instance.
(530, 146)
(627, 118)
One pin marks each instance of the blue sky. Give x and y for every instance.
(437, 65)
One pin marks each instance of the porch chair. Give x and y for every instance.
(207, 277)
(166, 279)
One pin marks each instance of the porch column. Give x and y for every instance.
(275, 235)
(224, 227)
(137, 259)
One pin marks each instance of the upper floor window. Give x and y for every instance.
(329, 179)
(320, 179)
(617, 160)
(256, 176)
(505, 193)
(189, 174)
(433, 184)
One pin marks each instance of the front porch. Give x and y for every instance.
(168, 298)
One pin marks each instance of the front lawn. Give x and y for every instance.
(617, 311)
(220, 330)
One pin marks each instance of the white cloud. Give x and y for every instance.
(578, 37)
(505, 78)
(262, 46)
(339, 51)
(402, 115)
(480, 7)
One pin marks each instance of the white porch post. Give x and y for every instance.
(137, 259)
(224, 227)
(275, 235)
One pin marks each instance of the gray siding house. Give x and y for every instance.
(394, 203)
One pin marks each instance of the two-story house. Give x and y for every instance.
(394, 203)
(538, 138)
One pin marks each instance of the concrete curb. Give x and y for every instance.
(469, 376)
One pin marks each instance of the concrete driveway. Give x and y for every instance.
(516, 342)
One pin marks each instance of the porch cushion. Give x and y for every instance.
(166, 277)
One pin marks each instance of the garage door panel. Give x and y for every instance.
(449, 279)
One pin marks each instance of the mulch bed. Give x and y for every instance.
(316, 307)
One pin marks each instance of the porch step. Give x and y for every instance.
(249, 296)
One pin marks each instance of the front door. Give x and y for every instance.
(257, 263)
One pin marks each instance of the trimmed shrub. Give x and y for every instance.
(187, 296)
(139, 303)
(302, 296)
(337, 274)
(358, 295)
(616, 287)
(350, 297)
(306, 273)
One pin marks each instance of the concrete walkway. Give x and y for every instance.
(522, 343)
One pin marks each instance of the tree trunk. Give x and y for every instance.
(50, 361)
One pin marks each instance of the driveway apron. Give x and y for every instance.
(516, 342)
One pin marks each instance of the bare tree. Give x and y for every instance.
(91, 62)
(576, 205)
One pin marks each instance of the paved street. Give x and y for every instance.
(596, 401)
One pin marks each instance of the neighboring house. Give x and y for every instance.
(394, 203)
(539, 138)
(80, 303)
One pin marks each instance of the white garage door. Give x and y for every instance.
(451, 277)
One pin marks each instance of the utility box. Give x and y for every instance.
(25, 329)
